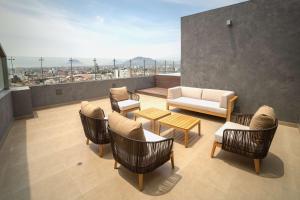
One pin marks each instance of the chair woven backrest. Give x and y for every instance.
(95, 129)
(140, 156)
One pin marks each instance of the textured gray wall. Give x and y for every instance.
(258, 57)
(22, 103)
(47, 95)
(6, 113)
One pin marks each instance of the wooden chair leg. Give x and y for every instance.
(101, 150)
(213, 149)
(116, 165)
(167, 107)
(141, 181)
(87, 141)
(257, 165)
(172, 159)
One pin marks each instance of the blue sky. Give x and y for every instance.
(91, 28)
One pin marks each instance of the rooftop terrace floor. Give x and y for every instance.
(46, 158)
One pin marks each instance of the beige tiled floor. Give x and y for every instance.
(46, 158)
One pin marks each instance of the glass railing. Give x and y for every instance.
(29, 71)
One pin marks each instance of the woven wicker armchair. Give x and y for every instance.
(253, 144)
(95, 130)
(116, 107)
(140, 157)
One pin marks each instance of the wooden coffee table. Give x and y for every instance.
(180, 122)
(153, 114)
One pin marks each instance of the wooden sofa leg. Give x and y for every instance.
(172, 159)
(215, 144)
(116, 165)
(141, 181)
(167, 107)
(101, 150)
(87, 141)
(257, 165)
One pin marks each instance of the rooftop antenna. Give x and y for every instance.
(71, 62)
(41, 59)
(95, 64)
(11, 59)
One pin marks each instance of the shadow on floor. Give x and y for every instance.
(179, 137)
(156, 183)
(271, 167)
(107, 151)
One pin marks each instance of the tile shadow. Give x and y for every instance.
(271, 167)
(156, 183)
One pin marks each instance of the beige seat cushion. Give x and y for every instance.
(228, 125)
(92, 111)
(263, 118)
(126, 127)
(128, 104)
(119, 94)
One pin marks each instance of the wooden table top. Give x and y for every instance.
(152, 113)
(180, 121)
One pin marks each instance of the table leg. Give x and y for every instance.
(152, 126)
(186, 138)
(199, 128)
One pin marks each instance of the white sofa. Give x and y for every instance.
(209, 101)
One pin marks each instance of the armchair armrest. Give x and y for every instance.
(243, 119)
(114, 104)
(134, 96)
(174, 93)
(250, 143)
(230, 106)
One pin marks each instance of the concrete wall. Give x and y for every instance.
(258, 56)
(6, 113)
(167, 81)
(64, 93)
(22, 102)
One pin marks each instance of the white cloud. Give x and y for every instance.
(35, 29)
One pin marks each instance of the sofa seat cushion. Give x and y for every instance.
(119, 94)
(204, 105)
(152, 137)
(128, 104)
(92, 111)
(228, 125)
(126, 127)
(263, 118)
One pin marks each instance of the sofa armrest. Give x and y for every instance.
(225, 99)
(174, 92)
(230, 106)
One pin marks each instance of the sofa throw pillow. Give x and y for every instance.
(126, 127)
(119, 94)
(90, 110)
(263, 118)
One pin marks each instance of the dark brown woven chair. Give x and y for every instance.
(140, 157)
(115, 106)
(96, 131)
(253, 144)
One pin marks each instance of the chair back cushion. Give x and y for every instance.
(126, 127)
(263, 118)
(119, 94)
(191, 92)
(92, 111)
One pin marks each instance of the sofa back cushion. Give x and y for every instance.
(92, 111)
(191, 92)
(212, 95)
(126, 127)
(119, 94)
(263, 118)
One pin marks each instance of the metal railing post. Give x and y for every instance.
(130, 71)
(95, 65)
